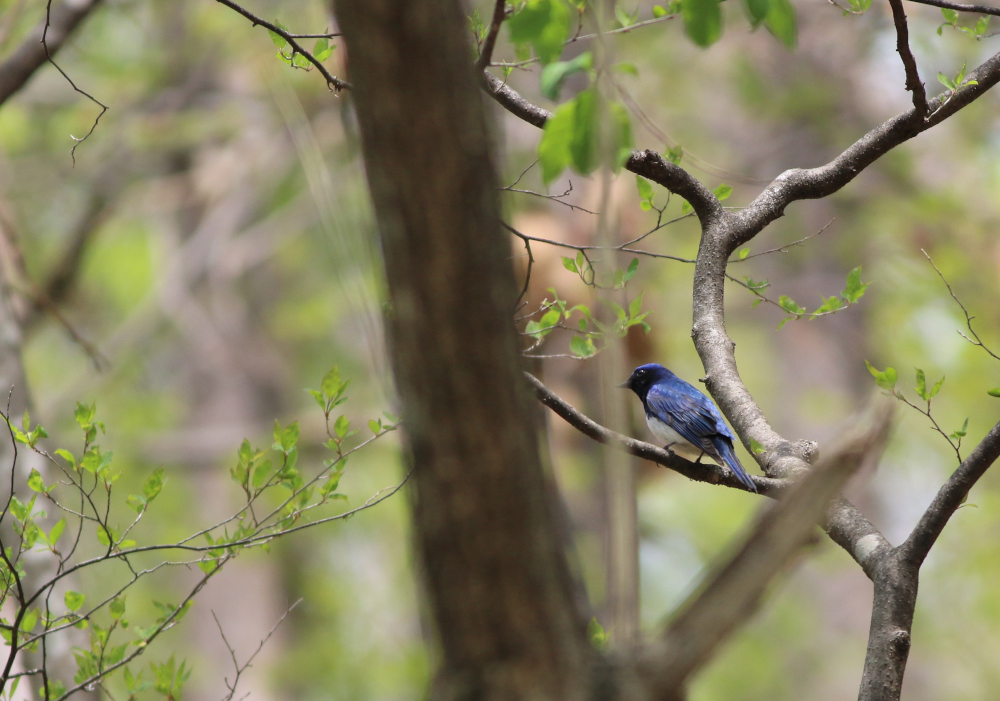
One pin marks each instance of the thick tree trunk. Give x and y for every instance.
(496, 577)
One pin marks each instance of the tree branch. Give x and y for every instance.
(913, 83)
(950, 497)
(30, 55)
(331, 80)
(815, 183)
(648, 164)
(486, 53)
(732, 592)
(961, 7)
(699, 472)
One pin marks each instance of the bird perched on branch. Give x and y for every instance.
(685, 419)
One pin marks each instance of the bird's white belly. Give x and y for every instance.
(667, 435)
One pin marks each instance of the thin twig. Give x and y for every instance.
(913, 83)
(332, 81)
(975, 340)
(48, 57)
(961, 7)
(555, 198)
(486, 54)
(587, 37)
(783, 249)
(232, 652)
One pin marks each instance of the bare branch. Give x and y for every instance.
(950, 497)
(961, 7)
(486, 53)
(48, 57)
(241, 668)
(31, 54)
(974, 340)
(731, 593)
(913, 83)
(815, 183)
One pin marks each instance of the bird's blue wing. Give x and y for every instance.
(694, 416)
(697, 421)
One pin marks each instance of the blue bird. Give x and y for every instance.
(685, 419)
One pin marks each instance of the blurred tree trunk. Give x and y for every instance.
(496, 578)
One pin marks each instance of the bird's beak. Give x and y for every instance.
(624, 385)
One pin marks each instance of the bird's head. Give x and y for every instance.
(644, 377)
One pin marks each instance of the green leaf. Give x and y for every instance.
(757, 448)
(960, 433)
(830, 304)
(260, 474)
(702, 21)
(995, 392)
(117, 607)
(153, 485)
(686, 208)
(744, 253)
(583, 142)
(597, 635)
(581, 346)
(630, 271)
(621, 134)
(555, 74)
(341, 425)
(790, 305)
(936, 388)
(780, 21)
(950, 16)
(553, 148)
(332, 384)
(74, 600)
(375, 426)
(278, 40)
(137, 502)
(35, 482)
(56, 532)
(946, 81)
(884, 379)
(922, 385)
(722, 192)
(67, 456)
(659, 11)
(29, 620)
(84, 415)
(549, 319)
(644, 187)
(982, 24)
(635, 306)
(624, 18)
(569, 264)
(289, 436)
(757, 9)
(675, 154)
(854, 289)
(322, 49)
(544, 24)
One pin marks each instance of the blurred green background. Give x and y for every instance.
(229, 260)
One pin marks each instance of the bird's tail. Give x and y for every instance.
(725, 449)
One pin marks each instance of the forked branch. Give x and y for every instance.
(732, 591)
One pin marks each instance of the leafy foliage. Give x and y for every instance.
(89, 477)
